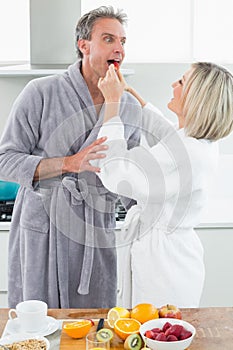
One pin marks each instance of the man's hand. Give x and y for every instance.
(79, 162)
(52, 167)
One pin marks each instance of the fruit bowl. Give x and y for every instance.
(165, 328)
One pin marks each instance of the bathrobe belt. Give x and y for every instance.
(80, 191)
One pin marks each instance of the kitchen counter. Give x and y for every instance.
(218, 214)
(5, 226)
(214, 326)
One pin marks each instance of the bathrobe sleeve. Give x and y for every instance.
(140, 173)
(21, 134)
(154, 125)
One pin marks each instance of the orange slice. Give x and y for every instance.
(78, 329)
(115, 313)
(123, 327)
(144, 312)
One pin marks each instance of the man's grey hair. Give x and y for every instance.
(86, 22)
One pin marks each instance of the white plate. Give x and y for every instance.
(9, 339)
(13, 327)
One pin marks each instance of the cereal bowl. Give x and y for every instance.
(180, 332)
(25, 341)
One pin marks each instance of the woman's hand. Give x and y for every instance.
(111, 86)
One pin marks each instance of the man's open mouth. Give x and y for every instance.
(115, 62)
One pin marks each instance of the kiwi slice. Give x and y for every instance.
(104, 334)
(133, 342)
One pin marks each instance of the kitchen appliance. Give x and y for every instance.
(120, 211)
(8, 192)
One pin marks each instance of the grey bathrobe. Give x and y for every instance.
(62, 244)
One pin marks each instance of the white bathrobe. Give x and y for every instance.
(163, 256)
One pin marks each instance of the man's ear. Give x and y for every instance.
(84, 46)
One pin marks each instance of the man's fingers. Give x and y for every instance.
(92, 156)
(98, 148)
(93, 169)
(100, 140)
(96, 143)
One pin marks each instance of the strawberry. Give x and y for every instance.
(185, 334)
(149, 334)
(176, 330)
(166, 326)
(161, 337)
(116, 65)
(171, 338)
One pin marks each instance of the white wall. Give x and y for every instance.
(52, 27)
(9, 90)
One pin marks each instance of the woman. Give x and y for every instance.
(169, 179)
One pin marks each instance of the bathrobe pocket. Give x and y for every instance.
(35, 213)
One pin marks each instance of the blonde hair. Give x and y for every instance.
(208, 102)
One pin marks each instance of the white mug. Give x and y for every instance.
(31, 314)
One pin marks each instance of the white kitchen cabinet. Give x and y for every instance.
(4, 235)
(218, 287)
(217, 242)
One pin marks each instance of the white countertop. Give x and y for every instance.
(218, 214)
(5, 226)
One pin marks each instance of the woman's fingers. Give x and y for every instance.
(113, 72)
(120, 76)
(100, 81)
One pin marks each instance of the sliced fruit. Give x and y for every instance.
(124, 327)
(78, 329)
(115, 313)
(144, 312)
(133, 342)
(104, 334)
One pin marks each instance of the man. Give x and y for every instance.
(62, 244)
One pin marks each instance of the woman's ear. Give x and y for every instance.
(84, 46)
